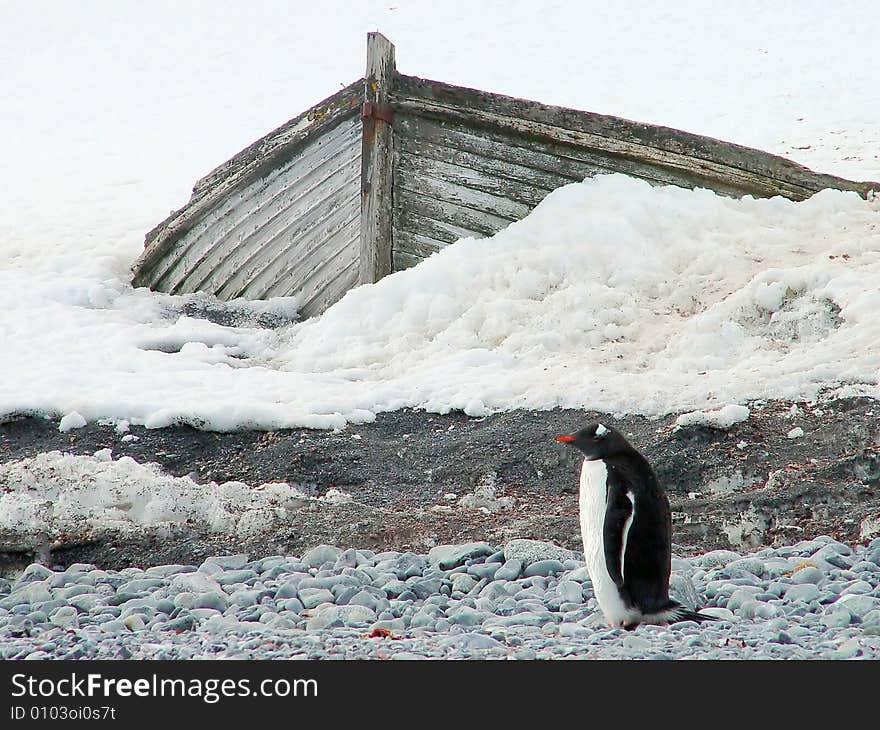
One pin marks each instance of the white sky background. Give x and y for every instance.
(112, 109)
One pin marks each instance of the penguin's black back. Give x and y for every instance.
(648, 556)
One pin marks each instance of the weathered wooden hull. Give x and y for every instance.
(282, 218)
(337, 197)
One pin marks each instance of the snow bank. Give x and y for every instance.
(612, 295)
(56, 496)
(621, 297)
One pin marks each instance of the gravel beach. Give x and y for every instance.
(816, 599)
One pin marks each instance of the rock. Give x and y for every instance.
(465, 616)
(754, 609)
(720, 613)
(340, 616)
(543, 568)
(804, 593)
(716, 558)
(215, 600)
(133, 622)
(311, 597)
(394, 588)
(533, 551)
(231, 577)
(409, 565)
(142, 585)
(449, 556)
(224, 562)
(858, 605)
(740, 596)
(809, 574)
(484, 570)
(511, 570)
(245, 598)
(33, 572)
(463, 582)
(750, 565)
(682, 589)
(394, 625)
(194, 583)
(859, 587)
(847, 650)
(471, 641)
(83, 603)
(66, 617)
(292, 604)
(581, 575)
(423, 587)
(317, 556)
(835, 617)
(168, 571)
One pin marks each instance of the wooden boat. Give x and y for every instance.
(392, 168)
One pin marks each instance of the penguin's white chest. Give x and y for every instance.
(592, 507)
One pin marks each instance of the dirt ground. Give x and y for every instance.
(742, 488)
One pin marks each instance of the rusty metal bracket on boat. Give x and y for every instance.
(385, 112)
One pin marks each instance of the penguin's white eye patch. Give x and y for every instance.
(601, 431)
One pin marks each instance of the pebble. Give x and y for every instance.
(543, 568)
(450, 556)
(214, 600)
(808, 575)
(533, 551)
(464, 601)
(857, 604)
(804, 593)
(511, 570)
(318, 556)
(311, 597)
(224, 562)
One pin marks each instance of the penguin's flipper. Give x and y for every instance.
(619, 511)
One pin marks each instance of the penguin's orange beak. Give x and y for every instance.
(565, 439)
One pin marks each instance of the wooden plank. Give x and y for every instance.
(440, 230)
(753, 183)
(377, 164)
(232, 254)
(661, 145)
(448, 192)
(472, 180)
(403, 260)
(244, 168)
(416, 244)
(477, 221)
(299, 240)
(345, 278)
(498, 155)
(231, 233)
(308, 278)
(322, 116)
(510, 152)
(291, 272)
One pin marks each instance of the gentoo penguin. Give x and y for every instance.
(626, 527)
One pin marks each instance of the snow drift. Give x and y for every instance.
(611, 295)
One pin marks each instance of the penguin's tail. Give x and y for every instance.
(674, 613)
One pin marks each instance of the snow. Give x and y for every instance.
(612, 295)
(54, 495)
(722, 418)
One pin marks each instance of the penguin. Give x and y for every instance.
(626, 526)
